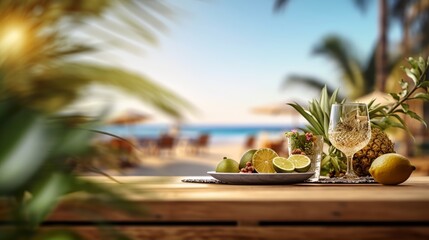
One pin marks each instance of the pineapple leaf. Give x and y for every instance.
(326, 124)
(335, 164)
(324, 100)
(318, 111)
(333, 99)
(325, 160)
(370, 103)
(308, 117)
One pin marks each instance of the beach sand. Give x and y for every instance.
(179, 162)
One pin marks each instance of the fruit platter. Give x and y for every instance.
(264, 166)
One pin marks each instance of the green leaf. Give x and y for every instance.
(423, 96)
(411, 75)
(424, 84)
(416, 73)
(326, 124)
(417, 117)
(335, 164)
(421, 64)
(318, 111)
(46, 196)
(394, 96)
(23, 148)
(333, 98)
(324, 100)
(313, 108)
(413, 62)
(405, 107)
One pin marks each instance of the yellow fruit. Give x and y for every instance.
(391, 169)
(262, 160)
(227, 166)
(247, 157)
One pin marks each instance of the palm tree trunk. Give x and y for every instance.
(405, 36)
(381, 62)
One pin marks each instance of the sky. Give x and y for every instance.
(229, 56)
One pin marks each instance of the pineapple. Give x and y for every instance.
(378, 145)
(382, 117)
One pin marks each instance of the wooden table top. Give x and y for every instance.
(173, 189)
(169, 199)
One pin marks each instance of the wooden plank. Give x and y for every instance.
(249, 211)
(251, 233)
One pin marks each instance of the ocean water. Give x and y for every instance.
(218, 133)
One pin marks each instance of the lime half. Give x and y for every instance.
(283, 165)
(262, 160)
(302, 163)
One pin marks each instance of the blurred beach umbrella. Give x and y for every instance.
(280, 108)
(130, 117)
(380, 97)
(274, 109)
(277, 109)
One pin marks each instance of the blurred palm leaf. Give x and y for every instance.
(42, 73)
(358, 76)
(338, 50)
(307, 80)
(45, 92)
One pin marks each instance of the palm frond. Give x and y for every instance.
(280, 4)
(362, 5)
(46, 92)
(338, 50)
(307, 81)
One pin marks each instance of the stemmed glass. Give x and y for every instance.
(349, 131)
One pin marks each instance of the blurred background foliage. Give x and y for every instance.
(41, 75)
(381, 69)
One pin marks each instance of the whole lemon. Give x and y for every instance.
(391, 169)
(247, 157)
(227, 165)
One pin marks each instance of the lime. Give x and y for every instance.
(247, 157)
(228, 166)
(283, 165)
(262, 160)
(391, 169)
(302, 163)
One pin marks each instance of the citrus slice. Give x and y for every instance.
(283, 165)
(262, 160)
(302, 163)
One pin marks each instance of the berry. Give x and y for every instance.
(248, 168)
